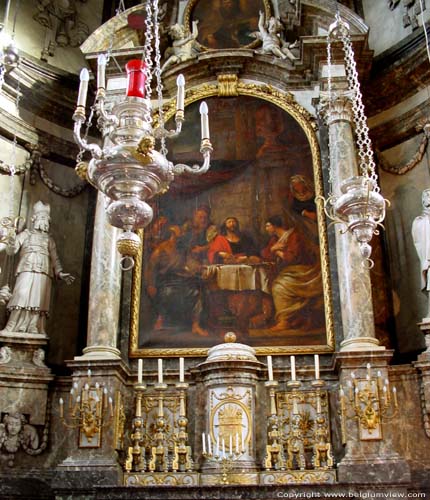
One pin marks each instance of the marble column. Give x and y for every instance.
(354, 279)
(105, 290)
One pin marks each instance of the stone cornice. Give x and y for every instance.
(396, 74)
(59, 150)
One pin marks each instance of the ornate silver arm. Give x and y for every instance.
(206, 150)
(108, 118)
(79, 119)
(161, 132)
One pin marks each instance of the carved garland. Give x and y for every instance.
(34, 165)
(424, 125)
(287, 102)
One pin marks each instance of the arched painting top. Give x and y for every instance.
(266, 166)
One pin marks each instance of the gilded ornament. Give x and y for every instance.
(129, 246)
(81, 170)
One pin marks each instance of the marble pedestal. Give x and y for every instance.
(370, 458)
(423, 366)
(96, 462)
(24, 377)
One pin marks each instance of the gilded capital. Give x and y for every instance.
(337, 107)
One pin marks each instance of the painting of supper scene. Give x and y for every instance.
(238, 248)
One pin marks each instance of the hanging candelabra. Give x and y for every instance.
(359, 207)
(127, 168)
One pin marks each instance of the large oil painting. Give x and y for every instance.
(227, 24)
(238, 248)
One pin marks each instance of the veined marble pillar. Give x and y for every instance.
(354, 278)
(105, 290)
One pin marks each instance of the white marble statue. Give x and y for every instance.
(183, 46)
(421, 237)
(38, 264)
(272, 43)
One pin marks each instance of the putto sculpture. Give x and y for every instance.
(38, 264)
(270, 34)
(184, 46)
(421, 237)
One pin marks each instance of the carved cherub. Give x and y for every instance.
(16, 433)
(183, 46)
(272, 42)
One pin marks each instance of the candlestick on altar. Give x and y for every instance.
(270, 368)
(160, 371)
(181, 370)
(204, 443)
(209, 444)
(293, 368)
(139, 371)
(317, 366)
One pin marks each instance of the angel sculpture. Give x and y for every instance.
(272, 42)
(184, 46)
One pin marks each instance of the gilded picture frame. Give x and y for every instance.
(229, 86)
(226, 24)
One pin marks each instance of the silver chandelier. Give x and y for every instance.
(127, 168)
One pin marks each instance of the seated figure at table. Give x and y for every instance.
(231, 246)
(174, 288)
(298, 283)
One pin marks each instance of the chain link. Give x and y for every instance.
(329, 89)
(12, 167)
(364, 146)
(163, 148)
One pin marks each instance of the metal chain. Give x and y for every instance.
(329, 89)
(146, 56)
(163, 149)
(12, 167)
(366, 163)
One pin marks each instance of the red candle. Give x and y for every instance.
(135, 78)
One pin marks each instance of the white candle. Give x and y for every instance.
(242, 444)
(293, 367)
(223, 447)
(83, 88)
(209, 444)
(180, 82)
(204, 120)
(139, 371)
(204, 442)
(160, 371)
(237, 442)
(318, 404)
(270, 367)
(217, 445)
(317, 366)
(181, 369)
(230, 447)
(101, 71)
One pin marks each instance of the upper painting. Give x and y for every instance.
(226, 24)
(238, 248)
